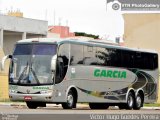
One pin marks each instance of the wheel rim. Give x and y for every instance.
(130, 101)
(138, 101)
(70, 100)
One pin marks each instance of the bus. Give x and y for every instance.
(70, 71)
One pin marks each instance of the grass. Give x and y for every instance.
(9, 101)
(152, 105)
(4, 100)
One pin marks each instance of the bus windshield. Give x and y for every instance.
(31, 64)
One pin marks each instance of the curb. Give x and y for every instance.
(12, 104)
(54, 105)
(153, 108)
(48, 105)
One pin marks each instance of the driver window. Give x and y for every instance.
(62, 62)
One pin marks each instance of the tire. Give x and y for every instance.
(98, 105)
(130, 101)
(71, 101)
(31, 105)
(138, 102)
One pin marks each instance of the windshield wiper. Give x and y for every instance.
(22, 74)
(25, 76)
(34, 74)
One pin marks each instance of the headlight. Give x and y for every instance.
(46, 91)
(13, 91)
(43, 92)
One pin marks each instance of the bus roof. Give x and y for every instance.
(79, 41)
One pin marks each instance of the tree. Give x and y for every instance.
(86, 35)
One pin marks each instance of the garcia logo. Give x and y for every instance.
(110, 73)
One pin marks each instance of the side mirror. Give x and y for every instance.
(3, 61)
(53, 63)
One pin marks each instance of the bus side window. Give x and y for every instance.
(89, 55)
(114, 56)
(127, 59)
(76, 54)
(155, 60)
(59, 70)
(108, 57)
(152, 61)
(101, 56)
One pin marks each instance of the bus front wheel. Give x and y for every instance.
(71, 101)
(31, 105)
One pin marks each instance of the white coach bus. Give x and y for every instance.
(70, 71)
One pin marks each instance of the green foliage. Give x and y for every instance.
(0, 94)
(152, 105)
(86, 35)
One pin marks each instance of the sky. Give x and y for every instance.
(88, 16)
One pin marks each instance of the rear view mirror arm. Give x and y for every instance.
(3, 61)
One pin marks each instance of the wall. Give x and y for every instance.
(53, 35)
(143, 31)
(13, 29)
(9, 42)
(4, 79)
(23, 25)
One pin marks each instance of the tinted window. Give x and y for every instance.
(108, 57)
(114, 57)
(89, 55)
(44, 49)
(140, 60)
(22, 49)
(155, 61)
(36, 49)
(76, 54)
(127, 58)
(102, 56)
(150, 61)
(63, 52)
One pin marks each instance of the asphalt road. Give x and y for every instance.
(55, 112)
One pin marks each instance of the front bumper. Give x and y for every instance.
(31, 97)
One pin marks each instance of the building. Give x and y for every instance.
(143, 31)
(13, 29)
(52, 35)
(63, 31)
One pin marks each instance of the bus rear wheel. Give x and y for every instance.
(130, 101)
(138, 102)
(71, 101)
(98, 105)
